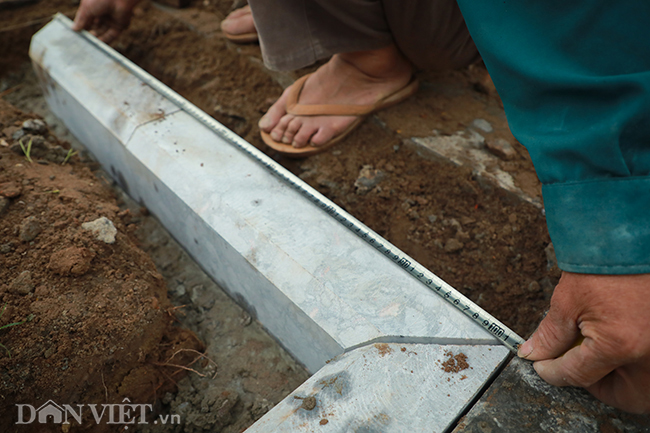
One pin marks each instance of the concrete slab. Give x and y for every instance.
(415, 393)
(519, 401)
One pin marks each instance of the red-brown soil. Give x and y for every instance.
(98, 325)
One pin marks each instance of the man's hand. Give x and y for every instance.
(104, 18)
(612, 312)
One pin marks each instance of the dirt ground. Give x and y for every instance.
(91, 303)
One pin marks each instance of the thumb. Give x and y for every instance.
(556, 334)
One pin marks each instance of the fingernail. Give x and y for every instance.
(264, 123)
(525, 350)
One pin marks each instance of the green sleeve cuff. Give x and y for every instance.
(600, 226)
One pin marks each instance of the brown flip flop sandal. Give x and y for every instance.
(361, 111)
(243, 38)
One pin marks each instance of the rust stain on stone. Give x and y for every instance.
(455, 363)
(383, 349)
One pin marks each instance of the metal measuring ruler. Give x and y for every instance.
(419, 272)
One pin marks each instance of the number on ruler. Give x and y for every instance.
(403, 262)
(496, 330)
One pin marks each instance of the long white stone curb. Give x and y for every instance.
(318, 288)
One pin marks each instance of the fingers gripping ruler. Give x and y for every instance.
(506, 336)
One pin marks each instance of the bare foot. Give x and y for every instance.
(239, 23)
(358, 78)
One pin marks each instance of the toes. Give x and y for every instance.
(239, 26)
(303, 136)
(235, 15)
(278, 132)
(272, 117)
(324, 135)
(337, 126)
(292, 128)
(246, 10)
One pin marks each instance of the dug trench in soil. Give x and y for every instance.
(493, 248)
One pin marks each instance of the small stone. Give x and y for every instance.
(453, 245)
(23, 284)
(547, 287)
(432, 218)
(49, 352)
(6, 248)
(167, 398)
(35, 126)
(551, 260)
(246, 319)
(38, 143)
(55, 154)
(18, 134)
(9, 131)
(413, 214)
(102, 228)
(368, 179)
(501, 148)
(534, 287)
(29, 229)
(10, 189)
(462, 236)
(71, 261)
(179, 291)
(4, 205)
(454, 223)
(483, 125)
(309, 403)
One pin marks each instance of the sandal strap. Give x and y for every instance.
(295, 108)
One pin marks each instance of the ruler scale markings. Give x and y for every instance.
(497, 329)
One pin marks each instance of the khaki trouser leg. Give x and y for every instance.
(296, 33)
